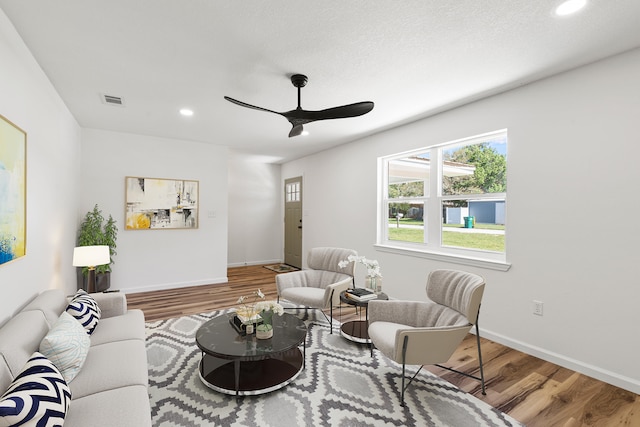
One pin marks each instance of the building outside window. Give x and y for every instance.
(449, 198)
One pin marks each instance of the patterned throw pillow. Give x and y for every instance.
(84, 308)
(39, 396)
(66, 345)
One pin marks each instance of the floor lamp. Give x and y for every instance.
(90, 257)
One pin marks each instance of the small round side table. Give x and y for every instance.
(357, 330)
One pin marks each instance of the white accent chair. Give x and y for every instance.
(428, 332)
(319, 286)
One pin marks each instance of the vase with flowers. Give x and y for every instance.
(266, 310)
(373, 279)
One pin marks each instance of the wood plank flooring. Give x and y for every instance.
(535, 392)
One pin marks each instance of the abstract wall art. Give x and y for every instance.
(13, 191)
(156, 203)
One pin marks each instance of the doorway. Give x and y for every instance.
(293, 222)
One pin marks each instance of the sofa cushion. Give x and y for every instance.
(120, 328)
(66, 345)
(110, 366)
(126, 406)
(84, 308)
(38, 396)
(19, 339)
(51, 302)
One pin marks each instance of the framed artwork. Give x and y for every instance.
(13, 191)
(156, 203)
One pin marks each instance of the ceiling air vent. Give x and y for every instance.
(112, 100)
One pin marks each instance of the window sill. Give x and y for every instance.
(445, 257)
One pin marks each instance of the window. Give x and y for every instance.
(448, 199)
(293, 192)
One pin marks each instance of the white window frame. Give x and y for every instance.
(433, 249)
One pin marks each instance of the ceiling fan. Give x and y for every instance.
(299, 117)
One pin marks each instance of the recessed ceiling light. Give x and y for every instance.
(304, 133)
(570, 6)
(186, 112)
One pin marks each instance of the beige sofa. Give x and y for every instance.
(111, 387)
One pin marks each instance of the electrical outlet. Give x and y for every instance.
(538, 307)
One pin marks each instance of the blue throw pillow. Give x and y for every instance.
(38, 396)
(84, 308)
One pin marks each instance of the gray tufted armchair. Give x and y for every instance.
(319, 286)
(428, 332)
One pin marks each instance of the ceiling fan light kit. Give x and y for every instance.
(300, 117)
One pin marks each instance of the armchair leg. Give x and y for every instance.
(331, 319)
(484, 391)
(481, 377)
(404, 355)
(405, 343)
(331, 313)
(403, 388)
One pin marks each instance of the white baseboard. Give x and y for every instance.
(627, 383)
(164, 286)
(246, 263)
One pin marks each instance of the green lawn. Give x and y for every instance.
(406, 234)
(487, 242)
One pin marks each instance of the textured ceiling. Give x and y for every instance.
(412, 58)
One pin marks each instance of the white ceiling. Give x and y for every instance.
(412, 58)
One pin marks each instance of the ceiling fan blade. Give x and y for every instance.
(299, 117)
(295, 130)
(345, 111)
(342, 112)
(244, 104)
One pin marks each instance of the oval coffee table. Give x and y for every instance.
(244, 365)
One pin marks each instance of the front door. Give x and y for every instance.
(293, 222)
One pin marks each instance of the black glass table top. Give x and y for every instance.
(219, 338)
(345, 299)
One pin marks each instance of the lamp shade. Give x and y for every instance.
(90, 256)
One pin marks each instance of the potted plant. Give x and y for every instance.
(95, 229)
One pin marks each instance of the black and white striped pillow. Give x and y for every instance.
(84, 308)
(38, 396)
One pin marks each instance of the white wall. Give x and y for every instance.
(573, 151)
(28, 99)
(255, 216)
(158, 259)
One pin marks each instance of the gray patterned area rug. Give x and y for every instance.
(341, 385)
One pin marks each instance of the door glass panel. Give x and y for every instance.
(293, 192)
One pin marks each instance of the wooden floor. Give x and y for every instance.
(535, 392)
